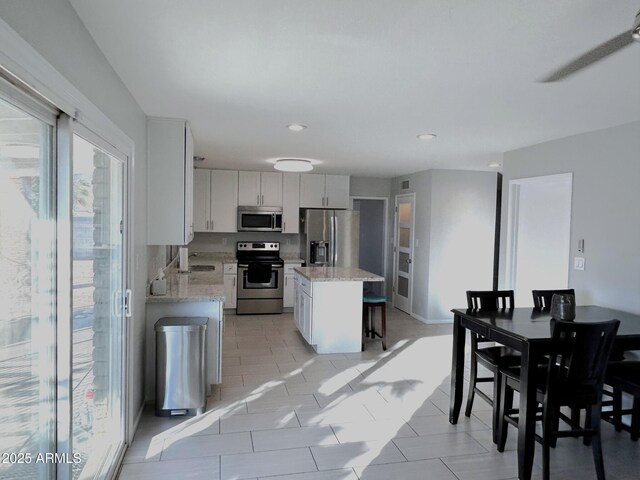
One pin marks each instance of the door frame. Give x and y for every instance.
(385, 227)
(396, 253)
(513, 217)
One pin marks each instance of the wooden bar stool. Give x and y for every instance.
(369, 303)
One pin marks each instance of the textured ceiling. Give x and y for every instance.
(367, 76)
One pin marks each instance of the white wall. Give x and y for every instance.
(605, 209)
(454, 238)
(53, 29)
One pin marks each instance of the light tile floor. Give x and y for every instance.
(286, 413)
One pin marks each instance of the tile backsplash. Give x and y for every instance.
(226, 242)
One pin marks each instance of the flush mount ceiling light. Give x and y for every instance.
(426, 137)
(296, 127)
(293, 165)
(495, 164)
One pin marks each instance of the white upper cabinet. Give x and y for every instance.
(260, 189)
(216, 200)
(324, 191)
(201, 199)
(169, 182)
(336, 189)
(290, 202)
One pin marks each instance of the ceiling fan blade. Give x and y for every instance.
(595, 54)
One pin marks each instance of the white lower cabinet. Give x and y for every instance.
(303, 309)
(288, 300)
(230, 285)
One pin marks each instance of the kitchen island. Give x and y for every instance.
(328, 307)
(193, 294)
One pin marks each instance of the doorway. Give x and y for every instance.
(403, 251)
(373, 232)
(538, 235)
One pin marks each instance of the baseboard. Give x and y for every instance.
(431, 321)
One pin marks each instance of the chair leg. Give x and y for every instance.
(384, 327)
(617, 407)
(472, 376)
(506, 403)
(588, 422)
(596, 443)
(635, 420)
(549, 428)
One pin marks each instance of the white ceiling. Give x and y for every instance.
(367, 76)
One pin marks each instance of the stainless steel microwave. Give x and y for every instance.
(259, 219)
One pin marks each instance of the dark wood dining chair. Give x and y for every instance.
(542, 298)
(574, 378)
(491, 357)
(624, 377)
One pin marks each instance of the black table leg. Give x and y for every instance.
(457, 370)
(527, 416)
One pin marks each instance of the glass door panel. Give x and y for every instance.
(98, 283)
(27, 295)
(403, 273)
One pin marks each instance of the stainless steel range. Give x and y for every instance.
(260, 278)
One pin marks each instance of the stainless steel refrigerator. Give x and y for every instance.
(330, 237)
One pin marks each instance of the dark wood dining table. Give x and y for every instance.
(527, 330)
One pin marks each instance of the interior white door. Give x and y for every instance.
(539, 228)
(403, 252)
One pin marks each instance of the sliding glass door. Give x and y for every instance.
(98, 306)
(27, 291)
(62, 295)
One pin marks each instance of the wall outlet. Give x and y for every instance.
(578, 263)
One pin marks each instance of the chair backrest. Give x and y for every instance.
(489, 300)
(542, 298)
(578, 358)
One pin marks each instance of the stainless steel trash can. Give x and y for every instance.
(180, 366)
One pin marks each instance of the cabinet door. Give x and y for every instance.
(291, 203)
(311, 190)
(271, 189)
(224, 200)
(201, 199)
(307, 320)
(296, 303)
(230, 291)
(166, 182)
(249, 188)
(337, 191)
(188, 184)
(287, 300)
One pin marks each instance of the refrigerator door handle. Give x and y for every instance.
(334, 240)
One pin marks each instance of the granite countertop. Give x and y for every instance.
(338, 274)
(192, 287)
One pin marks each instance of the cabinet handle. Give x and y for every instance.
(234, 281)
(262, 200)
(211, 224)
(258, 199)
(284, 227)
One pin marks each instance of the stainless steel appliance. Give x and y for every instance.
(259, 219)
(330, 237)
(260, 278)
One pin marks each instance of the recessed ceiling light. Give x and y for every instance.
(426, 137)
(293, 165)
(495, 164)
(296, 127)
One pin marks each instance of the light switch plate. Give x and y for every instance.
(578, 263)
